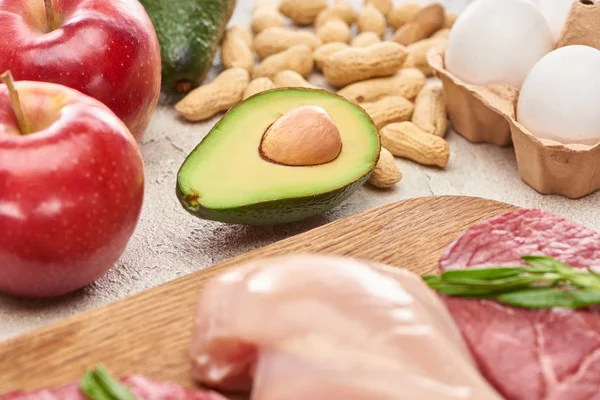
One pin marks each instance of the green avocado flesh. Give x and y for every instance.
(189, 32)
(226, 179)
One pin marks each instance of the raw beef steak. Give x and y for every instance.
(529, 354)
(142, 388)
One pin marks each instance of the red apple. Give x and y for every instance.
(71, 190)
(107, 49)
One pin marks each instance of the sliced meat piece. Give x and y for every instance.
(142, 388)
(505, 238)
(529, 354)
(67, 392)
(316, 327)
(146, 389)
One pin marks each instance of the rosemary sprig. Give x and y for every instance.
(98, 384)
(547, 283)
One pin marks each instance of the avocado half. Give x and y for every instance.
(225, 178)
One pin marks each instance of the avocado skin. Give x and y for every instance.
(277, 211)
(189, 32)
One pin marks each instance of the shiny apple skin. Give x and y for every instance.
(70, 193)
(107, 49)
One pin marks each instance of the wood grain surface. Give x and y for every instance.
(149, 333)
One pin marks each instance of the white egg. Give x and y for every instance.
(556, 13)
(497, 41)
(560, 98)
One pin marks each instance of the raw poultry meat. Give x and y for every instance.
(307, 327)
(527, 354)
(142, 388)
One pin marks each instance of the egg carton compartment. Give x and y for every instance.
(581, 26)
(469, 106)
(550, 167)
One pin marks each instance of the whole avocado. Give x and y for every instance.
(189, 32)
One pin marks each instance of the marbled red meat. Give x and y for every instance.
(142, 388)
(505, 238)
(529, 354)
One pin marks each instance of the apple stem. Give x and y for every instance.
(8, 80)
(50, 16)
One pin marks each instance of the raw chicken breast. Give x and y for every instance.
(305, 327)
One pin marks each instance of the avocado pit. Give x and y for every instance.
(304, 136)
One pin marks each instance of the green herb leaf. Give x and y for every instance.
(479, 292)
(483, 273)
(91, 388)
(546, 283)
(548, 264)
(585, 297)
(540, 262)
(583, 280)
(591, 271)
(550, 298)
(100, 385)
(112, 386)
(506, 283)
(463, 290)
(431, 278)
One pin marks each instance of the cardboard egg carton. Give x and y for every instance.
(550, 167)
(487, 115)
(582, 25)
(469, 106)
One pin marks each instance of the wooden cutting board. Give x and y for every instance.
(149, 333)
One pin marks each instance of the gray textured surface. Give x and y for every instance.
(169, 243)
